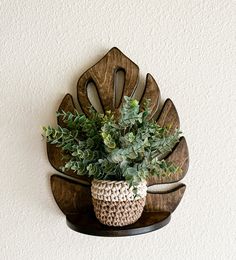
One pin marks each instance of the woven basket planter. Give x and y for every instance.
(115, 203)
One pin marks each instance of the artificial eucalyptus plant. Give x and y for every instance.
(130, 147)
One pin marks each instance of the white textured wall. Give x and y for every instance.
(189, 47)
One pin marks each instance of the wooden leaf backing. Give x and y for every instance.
(168, 116)
(164, 201)
(67, 105)
(102, 75)
(55, 154)
(69, 195)
(151, 92)
(179, 157)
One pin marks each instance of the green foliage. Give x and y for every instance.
(128, 148)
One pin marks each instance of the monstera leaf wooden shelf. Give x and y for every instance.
(72, 192)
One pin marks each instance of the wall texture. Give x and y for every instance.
(189, 48)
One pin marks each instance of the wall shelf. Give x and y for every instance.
(86, 222)
(72, 192)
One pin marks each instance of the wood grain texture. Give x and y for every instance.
(86, 222)
(74, 200)
(102, 75)
(151, 92)
(74, 196)
(70, 196)
(164, 201)
(168, 116)
(67, 105)
(56, 154)
(179, 157)
(55, 157)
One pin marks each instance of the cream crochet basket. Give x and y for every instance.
(115, 204)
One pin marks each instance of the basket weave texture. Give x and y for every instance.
(115, 204)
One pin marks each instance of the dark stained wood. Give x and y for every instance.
(164, 201)
(102, 75)
(151, 92)
(74, 200)
(66, 105)
(74, 196)
(56, 159)
(86, 222)
(168, 116)
(180, 157)
(70, 196)
(55, 154)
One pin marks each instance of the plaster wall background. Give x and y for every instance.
(189, 47)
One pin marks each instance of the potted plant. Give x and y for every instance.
(119, 153)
